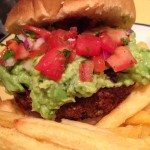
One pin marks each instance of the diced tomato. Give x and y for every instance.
(21, 52)
(99, 63)
(72, 33)
(52, 64)
(2, 55)
(9, 42)
(107, 43)
(42, 50)
(121, 59)
(86, 71)
(62, 38)
(13, 46)
(118, 35)
(88, 45)
(41, 32)
(57, 39)
(72, 56)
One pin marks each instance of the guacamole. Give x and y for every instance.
(48, 95)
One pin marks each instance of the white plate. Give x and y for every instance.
(142, 33)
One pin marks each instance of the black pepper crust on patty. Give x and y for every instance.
(98, 105)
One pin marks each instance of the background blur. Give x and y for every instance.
(5, 6)
(142, 10)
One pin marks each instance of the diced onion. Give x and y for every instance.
(106, 54)
(9, 62)
(71, 40)
(27, 65)
(38, 43)
(21, 37)
(26, 44)
(129, 31)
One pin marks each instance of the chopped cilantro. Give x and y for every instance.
(125, 41)
(96, 33)
(8, 54)
(30, 34)
(88, 49)
(67, 53)
(59, 52)
(17, 39)
(68, 42)
(87, 57)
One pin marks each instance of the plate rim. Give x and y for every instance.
(142, 24)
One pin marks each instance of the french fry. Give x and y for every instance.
(7, 118)
(147, 109)
(145, 131)
(9, 106)
(77, 138)
(141, 117)
(3, 94)
(130, 131)
(10, 139)
(142, 44)
(136, 101)
(79, 124)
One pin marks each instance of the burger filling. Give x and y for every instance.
(63, 67)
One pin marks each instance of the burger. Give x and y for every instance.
(72, 59)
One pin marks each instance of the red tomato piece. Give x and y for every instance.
(88, 45)
(42, 50)
(21, 52)
(107, 43)
(118, 35)
(57, 39)
(41, 32)
(13, 45)
(121, 59)
(63, 38)
(72, 33)
(86, 71)
(9, 42)
(52, 64)
(99, 63)
(72, 56)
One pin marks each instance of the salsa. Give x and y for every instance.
(60, 47)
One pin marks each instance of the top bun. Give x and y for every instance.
(115, 13)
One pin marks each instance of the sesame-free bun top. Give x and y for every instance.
(115, 13)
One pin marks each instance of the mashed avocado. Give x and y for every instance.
(48, 95)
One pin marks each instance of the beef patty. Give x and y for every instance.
(98, 105)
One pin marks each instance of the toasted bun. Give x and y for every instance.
(115, 13)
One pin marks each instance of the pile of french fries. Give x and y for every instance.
(120, 130)
(19, 132)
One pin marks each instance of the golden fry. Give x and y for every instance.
(10, 139)
(77, 138)
(8, 106)
(147, 109)
(141, 117)
(3, 94)
(138, 131)
(7, 118)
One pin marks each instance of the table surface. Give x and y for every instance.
(142, 11)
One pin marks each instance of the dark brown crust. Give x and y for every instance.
(98, 105)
